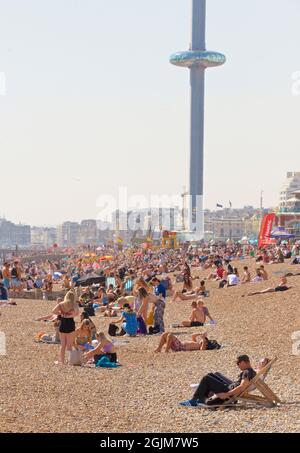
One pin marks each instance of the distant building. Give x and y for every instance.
(68, 234)
(44, 237)
(289, 194)
(223, 224)
(12, 235)
(137, 224)
(88, 232)
(252, 225)
(221, 229)
(22, 235)
(288, 215)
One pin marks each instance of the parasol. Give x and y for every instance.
(280, 233)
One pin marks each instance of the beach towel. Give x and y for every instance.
(42, 337)
(104, 362)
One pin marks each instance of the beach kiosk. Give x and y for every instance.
(169, 240)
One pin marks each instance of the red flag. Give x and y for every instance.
(265, 231)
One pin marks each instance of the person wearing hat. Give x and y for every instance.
(220, 386)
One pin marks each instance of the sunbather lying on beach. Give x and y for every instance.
(171, 342)
(5, 303)
(281, 287)
(45, 338)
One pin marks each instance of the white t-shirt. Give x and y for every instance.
(233, 279)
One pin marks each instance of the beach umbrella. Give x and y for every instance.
(57, 274)
(90, 279)
(106, 258)
(280, 233)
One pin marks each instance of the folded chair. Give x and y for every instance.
(267, 398)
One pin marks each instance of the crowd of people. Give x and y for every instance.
(132, 289)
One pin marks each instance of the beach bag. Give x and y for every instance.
(212, 344)
(112, 330)
(75, 357)
(142, 328)
(154, 330)
(89, 309)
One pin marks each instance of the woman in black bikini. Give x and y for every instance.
(68, 310)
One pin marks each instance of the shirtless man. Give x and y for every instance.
(246, 275)
(263, 272)
(198, 315)
(171, 342)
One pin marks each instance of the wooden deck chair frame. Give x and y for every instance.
(269, 398)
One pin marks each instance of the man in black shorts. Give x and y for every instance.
(198, 315)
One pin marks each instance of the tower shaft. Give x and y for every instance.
(198, 24)
(197, 79)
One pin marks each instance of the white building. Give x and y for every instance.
(288, 191)
(68, 234)
(43, 236)
(88, 232)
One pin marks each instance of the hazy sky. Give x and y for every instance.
(92, 103)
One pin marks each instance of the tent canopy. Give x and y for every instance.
(280, 233)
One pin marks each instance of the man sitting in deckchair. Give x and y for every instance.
(220, 386)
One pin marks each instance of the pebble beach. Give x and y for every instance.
(39, 395)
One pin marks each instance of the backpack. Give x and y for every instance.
(112, 330)
(212, 344)
(89, 309)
